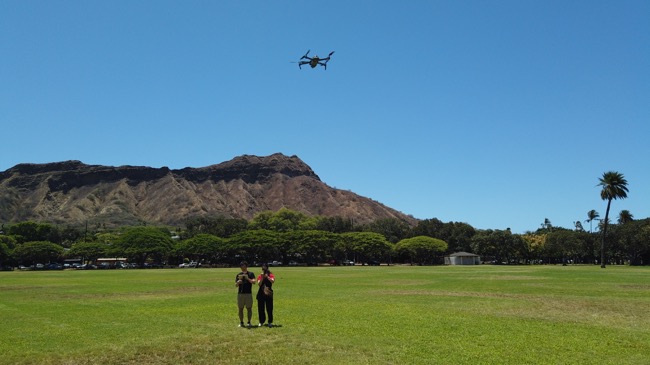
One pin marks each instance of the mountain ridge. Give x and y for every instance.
(73, 192)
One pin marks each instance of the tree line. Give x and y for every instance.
(283, 235)
(287, 235)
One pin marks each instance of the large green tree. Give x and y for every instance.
(140, 244)
(33, 232)
(283, 220)
(634, 240)
(502, 246)
(255, 245)
(420, 249)
(310, 246)
(218, 226)
(5, 254)
(392, 228)
(8, 240)
(335, 224)
(38, 252)
(614, 186)
(88, 251)
(457, 234)
(203, 247)
(535, 245)
(428, 227)
(563, 245)
(366, 246)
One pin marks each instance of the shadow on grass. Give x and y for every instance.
(263, 327)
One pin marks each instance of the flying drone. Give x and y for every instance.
(314, 61)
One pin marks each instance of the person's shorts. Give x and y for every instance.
(245, 300)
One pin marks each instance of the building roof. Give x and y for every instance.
(464, 254)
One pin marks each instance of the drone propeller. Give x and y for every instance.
(305, 56)
(331, 53)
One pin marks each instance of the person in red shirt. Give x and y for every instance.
(265, 295)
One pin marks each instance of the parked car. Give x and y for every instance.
(293, 263)
(275, 263)
(347, 263)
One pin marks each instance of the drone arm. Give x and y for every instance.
(328, 57)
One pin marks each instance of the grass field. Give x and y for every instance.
(331, 315)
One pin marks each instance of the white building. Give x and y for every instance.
(462, 258)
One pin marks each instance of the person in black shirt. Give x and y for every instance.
(244, 283)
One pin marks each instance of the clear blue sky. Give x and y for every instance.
(494, 113)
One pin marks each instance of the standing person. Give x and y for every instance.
(265, 295)
(244, 283)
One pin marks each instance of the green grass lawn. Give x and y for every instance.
(331, 315)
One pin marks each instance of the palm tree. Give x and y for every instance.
(625, 216)
(601, 224)
(592, 214)
(614, 187)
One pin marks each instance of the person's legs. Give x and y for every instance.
(249, 307)
(269, 309)
(240, 306)
(260, 310)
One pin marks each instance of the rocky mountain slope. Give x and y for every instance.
(71, 192)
